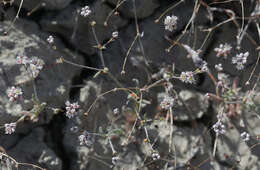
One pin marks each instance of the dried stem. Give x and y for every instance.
(81, 66)
(112, 12)
(167, 10)
(16, 17)
(128, 52)
(20, 163)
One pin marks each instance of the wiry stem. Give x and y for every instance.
(167, 10)
(128, 52)
(16, 17)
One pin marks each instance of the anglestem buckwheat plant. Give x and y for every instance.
(130, 122)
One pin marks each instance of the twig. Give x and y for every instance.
(109, 15)
(167, 10)
(16, 17)
(128, 52)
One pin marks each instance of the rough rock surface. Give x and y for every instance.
(33, 148)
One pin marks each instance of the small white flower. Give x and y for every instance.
(204, 67)
(50, 39)
(85, 11)
(74, 129)
(10, 128)
(155, 156)
(34, 70)
(82, 139)
(71, 109)
(170, 22)
(115, 160)
(85, 139)
(245, 136)
(14, 93)
(219, 67)
(223, 50)
(142, 34)
(240, 60)
(115, 34)
(116, 111)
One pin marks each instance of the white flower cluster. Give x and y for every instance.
(187, 77)
(204, 66)
(74, 129)
(115, 160)
(240, 60)
(50, 39)
(14, 93)
(10, 128)
(85, 139)
(155, 156)
(85, 11)
(115, 34)
(71, 109)
(219, 128)
(245, 136)
(116, 111)
(219, 67)
(35, 64)
(223, 50)
(22, 59)
(167, 102)
(170, 22)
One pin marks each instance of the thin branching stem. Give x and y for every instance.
(16, 17)
(112, 12)
(81, 66)
(167, 10)
(128, 52)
